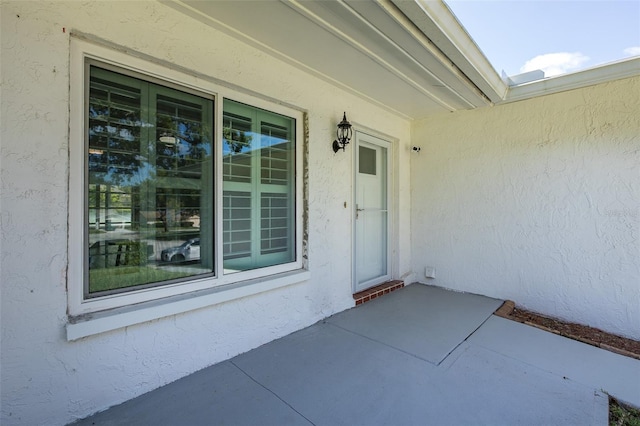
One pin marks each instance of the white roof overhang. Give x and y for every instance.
(600, 74)
(411, 57)
(370, 48)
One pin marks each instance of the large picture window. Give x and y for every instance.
(152, 209)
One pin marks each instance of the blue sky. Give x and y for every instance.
(556, 36)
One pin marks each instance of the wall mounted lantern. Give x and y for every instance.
(343, 134)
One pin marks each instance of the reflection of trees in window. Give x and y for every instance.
(115, 130)
(107, 204)
(176, 207)
(179, 134)
(236, 133)
(149, 171)
(151, 184)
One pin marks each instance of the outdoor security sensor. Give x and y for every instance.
(415, 149)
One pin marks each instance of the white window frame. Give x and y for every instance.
(169, 298)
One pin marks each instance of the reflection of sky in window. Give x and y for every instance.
(265, 141)
(144, 172)
(226, 146)
(182, 129)
(182, 148)
(190, 141)
(268, 140)
(123, 133)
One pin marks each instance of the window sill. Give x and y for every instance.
(100, 322)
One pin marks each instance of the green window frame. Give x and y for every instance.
(258, 187)
(151, 203)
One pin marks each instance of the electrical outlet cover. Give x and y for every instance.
(430, 272)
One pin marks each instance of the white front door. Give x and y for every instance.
(372, 212)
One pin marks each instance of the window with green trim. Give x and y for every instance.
(153, 213)
(259, 188)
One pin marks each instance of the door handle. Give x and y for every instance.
(358, 209)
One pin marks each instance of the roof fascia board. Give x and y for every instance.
(439, 24)
(589, 77)
(477, 98)
(401, 19)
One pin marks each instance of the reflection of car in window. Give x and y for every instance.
(189, 250)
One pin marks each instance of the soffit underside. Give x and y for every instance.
(365, 47)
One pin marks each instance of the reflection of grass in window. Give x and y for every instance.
(128, 276)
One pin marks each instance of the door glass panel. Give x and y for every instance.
(367, 161)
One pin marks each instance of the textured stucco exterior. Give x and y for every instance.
(536, 201)
(45, 378)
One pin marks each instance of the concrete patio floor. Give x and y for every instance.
(418, 356)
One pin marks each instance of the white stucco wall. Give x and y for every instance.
(44, 378)
(536, 201)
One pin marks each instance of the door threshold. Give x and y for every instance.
(377, 291)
